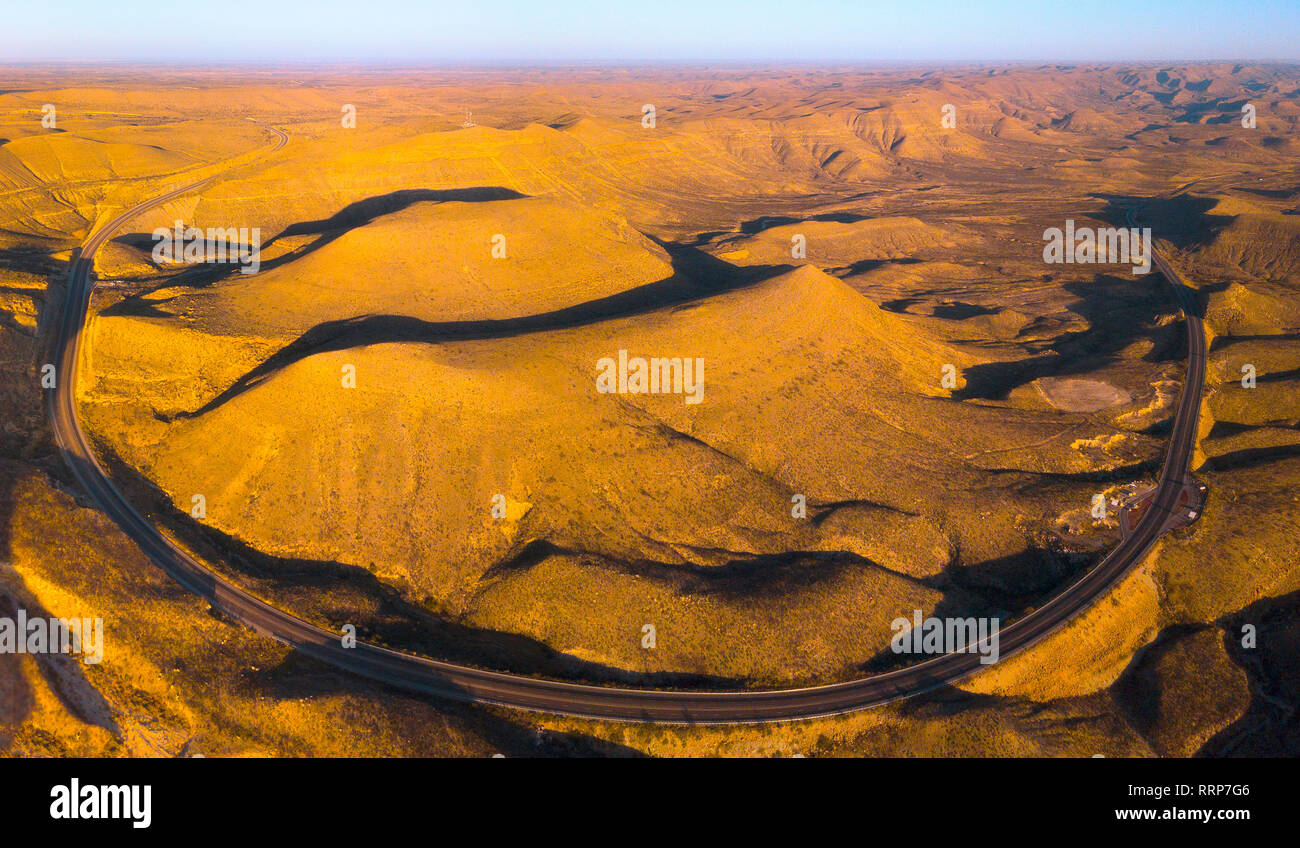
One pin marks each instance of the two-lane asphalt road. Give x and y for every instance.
(604, 702)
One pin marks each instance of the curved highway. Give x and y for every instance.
(621, 704)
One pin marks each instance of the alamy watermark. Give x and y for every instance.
(1099, 245)
(921, 635)
(74, 800)
(638, 375)
(23, 635)
(215, 245)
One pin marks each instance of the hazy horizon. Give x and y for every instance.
(672, 32)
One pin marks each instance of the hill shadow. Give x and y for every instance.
(757, 225)
(743, 577)
(16, 698)
(861, 266)
(63, 673)
(696, 275)
(508, 733)
(1252, 457)
(1219, 110)
(1119, 311)
(1137, 690)
(338, 593)
(1275, 194)
(1004, 588)
(960, 311)
(31, 261)
(1183, 220)
(1268, 727)
(350, 217)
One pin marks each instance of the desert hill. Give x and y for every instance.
(475, 377)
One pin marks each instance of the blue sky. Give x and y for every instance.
(673, 31)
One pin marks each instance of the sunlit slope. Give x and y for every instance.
(65, 156)
(255, 698)
(88, 145)
(57, 183)
(14, 173)
(431, 260)
(436, 260)
(327, 173)
(829, 243)
(673, 174)
(398, 475)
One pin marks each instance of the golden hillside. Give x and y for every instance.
(397, 423)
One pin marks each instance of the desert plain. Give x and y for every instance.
(396, 424)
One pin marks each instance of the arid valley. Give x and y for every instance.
(674, 379)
